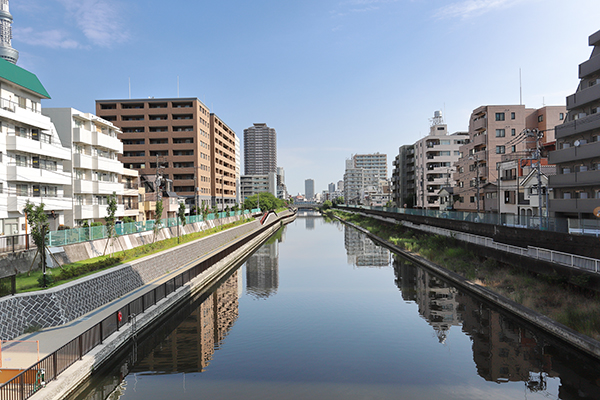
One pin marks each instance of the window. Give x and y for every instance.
(565, 145)
(500, 133)
(500, 149)
(581, 168)
(566, 195)
(22, 190)
(513, 132)
(582, 195)
(561, 116)
(512, 115)
(541, 118)
(499, 116)
(472, 199)
(456, 153)
(566, 170)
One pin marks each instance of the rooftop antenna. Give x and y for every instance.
(129, 88)
(520, 89)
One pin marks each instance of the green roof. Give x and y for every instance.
(21, 77)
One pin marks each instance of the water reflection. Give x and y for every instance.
(362, 251)
(262, 268)
(503, 350)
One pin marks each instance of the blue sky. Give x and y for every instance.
(333, 78)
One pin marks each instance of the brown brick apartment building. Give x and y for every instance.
(177, 134)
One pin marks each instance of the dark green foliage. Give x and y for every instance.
(267, 202)
(46, 280)
(73, 272)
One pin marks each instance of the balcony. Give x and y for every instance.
(589, 150)
(17, 203)
(574, 205)
(81, 186)
(82, 161)
(583, 97)
(89, 211)
(101, 187)
(480, 124)
(578, 126)
(37, 175)
(587, 178)
(108, 142)
(589, 67)
(107, 164)
(81, 135)
(27, 145)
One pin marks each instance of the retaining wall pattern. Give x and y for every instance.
(57, 306)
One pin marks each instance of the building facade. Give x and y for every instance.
(253, 184)
(496, 132)
(309, 189)
(260, 150)
(223, 164)
(403, 177)
(166, 137)
(365, 176)
(32, 155)
(576, 184)
(94, 168)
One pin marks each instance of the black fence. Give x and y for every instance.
(10, 244)
(34, 378)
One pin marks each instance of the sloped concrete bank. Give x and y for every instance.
(558, 330)
(77, 373)
(64, 303)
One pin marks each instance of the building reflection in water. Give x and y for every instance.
(362, 251)
(190, 347)
(262, 268)
(503, 351)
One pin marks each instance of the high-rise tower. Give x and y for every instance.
(6, 50)
(260, 150)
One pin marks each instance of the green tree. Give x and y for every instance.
(389, 204)
(267, 202)
(157, 217)
(326, 205)
(111, 210)
(38, 222)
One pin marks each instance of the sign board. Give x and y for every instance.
(597, 212)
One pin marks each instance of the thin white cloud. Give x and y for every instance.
(55, 39)
(99, 20)
(472, 8)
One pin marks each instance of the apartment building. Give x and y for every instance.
(495, 133)
(365, 176)
(253, 184)
(577, 182)
(223, 164)
(434, 158)
(132, 198)
(169, 137)
(260, 150)
(31, 153)
(94, 168)
(403, 177)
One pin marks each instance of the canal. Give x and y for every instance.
(321, 312)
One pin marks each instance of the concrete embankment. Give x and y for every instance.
(68, 380)
(560, 331)
(62, 304)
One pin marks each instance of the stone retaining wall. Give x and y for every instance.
(57, 306)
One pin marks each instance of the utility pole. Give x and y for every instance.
(538, 157)
(476, 158)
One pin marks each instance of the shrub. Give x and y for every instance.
(46, 280)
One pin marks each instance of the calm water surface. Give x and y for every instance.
(321, 312)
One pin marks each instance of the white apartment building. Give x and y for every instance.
(31, 153)
(365, 175)
(253, 184)
(434, 158)
(94, 170)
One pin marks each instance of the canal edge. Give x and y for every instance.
(581, 342)
(76, 374)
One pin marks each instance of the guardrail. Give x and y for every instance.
(564, 225)
(10, 244)
(34, 378)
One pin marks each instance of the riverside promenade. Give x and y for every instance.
(112, 325)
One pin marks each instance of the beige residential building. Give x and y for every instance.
(223, 163)
(494, 132)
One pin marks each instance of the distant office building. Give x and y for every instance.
(577, 182)
(281, 188)
(309, 189)
(331, 187)
(340, 186)
(260, 150)
(365, 175)
(172, 138)
(253, 184)
(6, 50)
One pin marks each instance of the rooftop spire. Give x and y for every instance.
(6, 50)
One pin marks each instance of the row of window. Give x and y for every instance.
(131, 106)
(141, 129)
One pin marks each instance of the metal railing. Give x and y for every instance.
(34, 378)
(564, 225)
